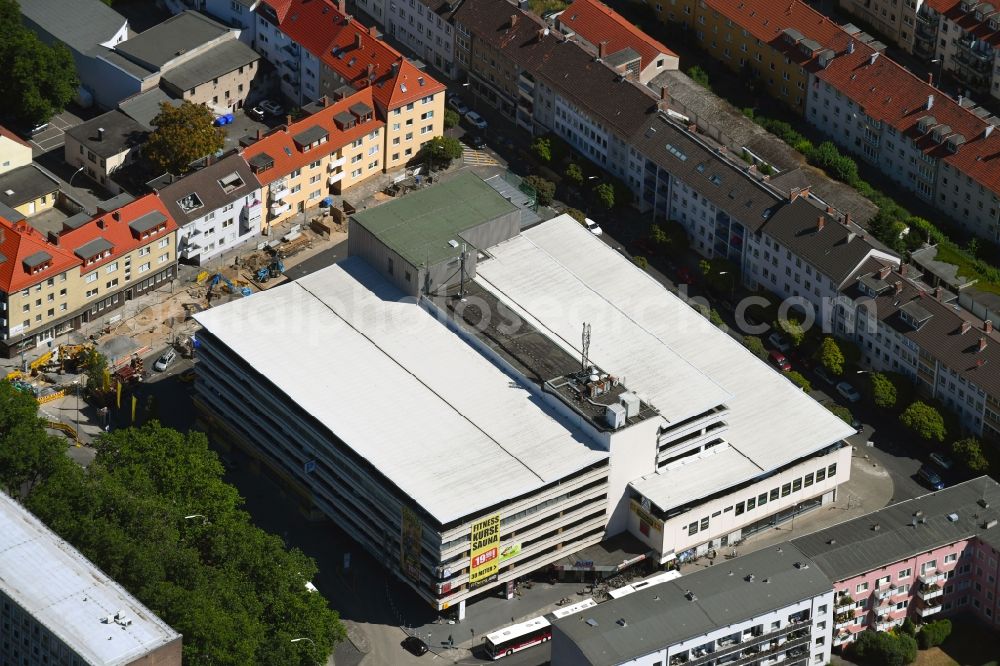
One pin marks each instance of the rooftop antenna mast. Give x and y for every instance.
(461, 282)
(585, 357)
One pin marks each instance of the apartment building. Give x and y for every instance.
(691, 450)
(621, 44)
(773, 606)
(299, 164)
(422, 25)
(922, 558)
(52, 282)
(103, 145)
(15, 152)
(59, 608)
(963, 36)
(894, 20)
(218, 207)
(237, 14)
(319, 49)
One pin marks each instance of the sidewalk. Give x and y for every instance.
(869, 488)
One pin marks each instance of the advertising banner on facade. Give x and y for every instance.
(509, 551)
(485, 559)
(411, 530)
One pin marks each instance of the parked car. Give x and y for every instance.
(459, 106)
(930, 477)
(824, 375)
(165, 360)
(476, 120)
(415, 646)
(476, 141)
(779, 361)
(592, 226)
(256, 113)
(849, 392)
(271, 108)
(779, 342)
(942, 460)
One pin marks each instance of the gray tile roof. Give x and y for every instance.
(121, 133)
(213, 63)
(855, 546)
(164, 42)
(145, 106)
(25, 184)
(148, 221)
(118, 60)
(205, 183)
(310, 134)
(37, 259)
(80, 24)
(700, 167)
(662, 615)
(360, 109)
(93, 248)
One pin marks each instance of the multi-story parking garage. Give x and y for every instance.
(470, 441)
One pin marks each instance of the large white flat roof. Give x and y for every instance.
(558, 276)
(447, 427)
(64, 591)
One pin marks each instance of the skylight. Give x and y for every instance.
(676, 152)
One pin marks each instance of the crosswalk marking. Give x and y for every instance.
(478, 157)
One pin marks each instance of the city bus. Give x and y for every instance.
(535, 631)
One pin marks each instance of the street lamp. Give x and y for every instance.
(204, 520)
(296, 640)
(76, 385)
(70, 183)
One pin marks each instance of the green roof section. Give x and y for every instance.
(418, 226)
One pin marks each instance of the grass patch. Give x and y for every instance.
(540, 7)
(971, 643)
(952, 255)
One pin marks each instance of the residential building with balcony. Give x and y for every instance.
(15, 152)
(58, 607)
(672, 474)
(333, 148)
(893, 20)
(922, 558)
(964, 38)
(103, 145)
(773, 606)
(217, 207)
(320, 50)
(56, 277)
(620, 44)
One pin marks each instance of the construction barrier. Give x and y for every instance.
(67, 430)
(50, 397)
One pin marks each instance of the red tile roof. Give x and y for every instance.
(4, 132)
(967, 21)
(18, 241)
(280, 146)
(596, 22)
(353, 51)
(113, 227)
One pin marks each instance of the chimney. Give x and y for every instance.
(513, 20)
(987, 131)
(898, 286)
(324, 101)
(847, 219)
(850, 46)
(663, 103)
(829, 210)
(902, 268)
(342, 6)
(602, 50)
(393, 69)
(930, 78)
(100, 222)
(988, 326)
(966, 327)
(930, 101)
(982, 344)
(100, 134)
(883, 272)
(872, 58)
(938, 292)
(373, 31)
(288, 120)
(357, 40)
(260, 134)
(793, 194)
(116, 215)
(820, 223)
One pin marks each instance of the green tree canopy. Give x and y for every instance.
(699, 76)
(38, 80)
(883, 390)
(95, 366)
(541, 148)
(574, 173)
(183, 134)
(969, 452)
(233, 590)
(831, 357)
(442, 150)
(576, 214)
(884, 648)
(755, 345)
(934, 633)
(924, 420)
(799, 380)
(605, 194)
(28, 454)
(451, 118)
(545, 190)
(843, 413)
(792, 329)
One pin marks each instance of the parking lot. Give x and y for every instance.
(52, 137)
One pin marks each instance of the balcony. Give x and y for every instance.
(335, 178)
(884, 593)
(279, 192)
(280, 209)
(844, 602)
(843, 619)
(750, 652)
(887, 625)
(927, 592)
(334, 164)
(926, 611)
(882, 611)
(930, 578)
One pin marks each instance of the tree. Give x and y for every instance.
(792, 329)
(442, 150)
(545, 190)
(574, 173)
(843, 413)
(716, 319)
(183, 134)
(908, 627)
(38, 79)
(755, 345)
(95, 366)
(605, 194)
(704, 266)
(883, 390)
(233, 590)
(934, 633)
(28, 454)
(831, 357)
(799, 380)
(924, 420)
(969, 452)
(576, 214)
(699, 76)
(879, 648)
(658, 235)
(641, 262)
(542, 149)
(451, 118)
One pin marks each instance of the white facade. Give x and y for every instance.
(221, 230)
(236, 14)
(423, 31)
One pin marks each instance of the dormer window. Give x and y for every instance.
(37, 262)
(148, 225)
(94, 251)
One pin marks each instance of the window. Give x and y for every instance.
(820, 475)
(91, 278)
(704, 524)
(111, 283)
(904, 573)
(740, 507)
(163, 243)
(948, 559)
(143, 251)
(91, 292)
(796, 485)
(884, 580)
(762, 499)
(809, 479)
(163, 258)
(862, 587)
(751, 503)
(144, 267)
(831, 471)
(112, 267)
(774, 494)
(693, 529)
(786, 490)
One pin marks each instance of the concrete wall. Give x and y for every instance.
(13, 154)
(166, 655)
(488, 234)
(76, 155)
(227, 92)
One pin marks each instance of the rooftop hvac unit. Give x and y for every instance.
(615, 416)
(630, 401)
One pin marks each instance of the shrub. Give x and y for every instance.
(799, 380)
(884, 648)
(934, 633)
(843, 413)
(574, 173)
(606, 195)
(451, 118)
(545, 190)
(755, 345)
(716, 319)
(542, 149)
(831, 356)
(576, 214)
(641, 262)
(699, 76)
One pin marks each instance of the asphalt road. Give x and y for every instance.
(318, 261)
